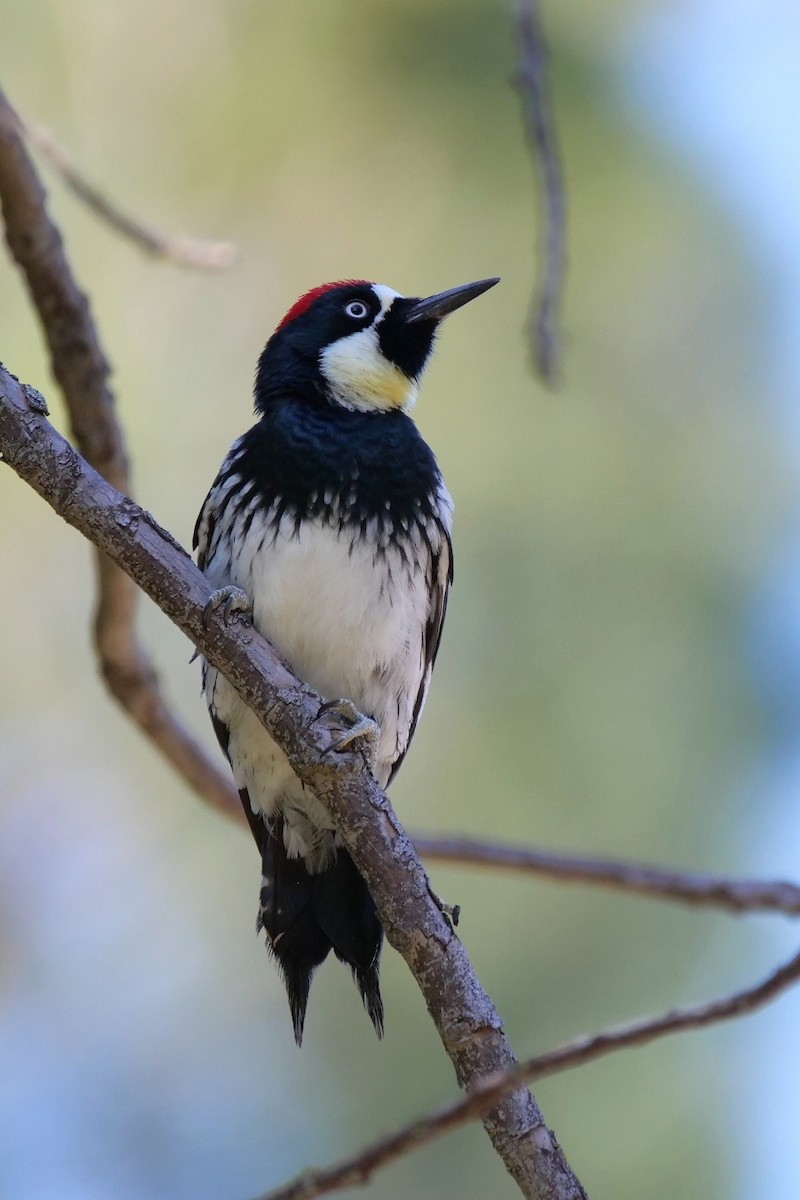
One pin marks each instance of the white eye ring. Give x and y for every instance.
(356, 309)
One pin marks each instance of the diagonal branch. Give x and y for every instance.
(533, 83)
(468, 1024)
(698, 890)
(82, 371)
(358, 1168)
(177, 248)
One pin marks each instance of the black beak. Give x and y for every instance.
(435, 307)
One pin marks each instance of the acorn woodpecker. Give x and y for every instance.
(332, 516)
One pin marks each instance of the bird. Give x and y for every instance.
(329, 523)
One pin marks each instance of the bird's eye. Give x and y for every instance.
(356, 309)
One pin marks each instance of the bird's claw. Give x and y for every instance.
(231, 600)
(451, 912)
(362, 730)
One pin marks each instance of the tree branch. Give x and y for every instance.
(177, 248)
(82, 371)
(467, 1022)
(358, 1168)
(702, 891)
(533, 84)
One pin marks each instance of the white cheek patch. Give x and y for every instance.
(358, 374)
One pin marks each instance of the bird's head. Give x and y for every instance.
(357, 344)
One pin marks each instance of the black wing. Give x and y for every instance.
(441, 577)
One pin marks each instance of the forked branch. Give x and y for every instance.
(82, 371)
(361, 1166)
(467, 1022)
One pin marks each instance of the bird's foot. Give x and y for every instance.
(451, 912)
(231, 600)
(363, 730)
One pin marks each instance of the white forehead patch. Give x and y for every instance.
(358, 374)
(386, 295)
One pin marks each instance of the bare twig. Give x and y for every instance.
(82, 371)
(533, 82)
(358, 1168)
(709, 891)
(467, 1022)
(176, 248)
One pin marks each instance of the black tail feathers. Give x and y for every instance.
(305, 916)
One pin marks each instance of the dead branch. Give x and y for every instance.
(533, 83)
(698, 890)
(82, 371)
(467, 1022)
(360, 1167)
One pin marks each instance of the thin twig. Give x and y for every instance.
(176, 248)
(82, 370)
(533, 83)
(709, 891)
(359, 1168)
(468, 1024)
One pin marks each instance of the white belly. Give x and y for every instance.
(349, 619)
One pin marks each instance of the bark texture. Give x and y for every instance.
(467, 1022)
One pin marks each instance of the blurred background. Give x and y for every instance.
(620, 674)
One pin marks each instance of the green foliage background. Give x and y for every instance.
(592, 691)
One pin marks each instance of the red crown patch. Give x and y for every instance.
(307, 299)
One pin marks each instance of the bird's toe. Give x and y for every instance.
(363, 732)
(231, 600)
